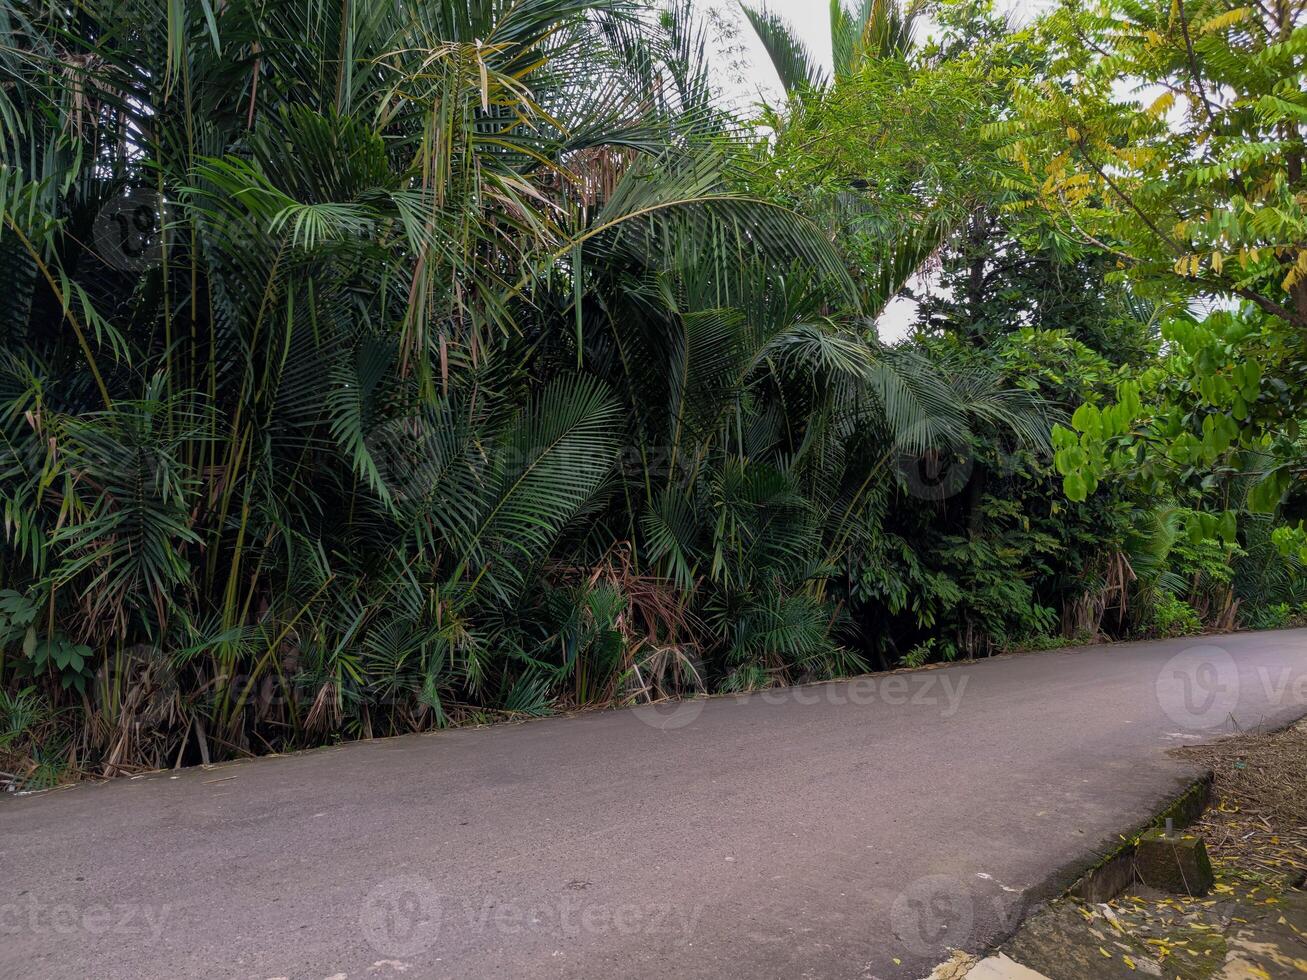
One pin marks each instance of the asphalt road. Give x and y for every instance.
(849, 830)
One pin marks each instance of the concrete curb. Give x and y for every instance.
(1116, 871)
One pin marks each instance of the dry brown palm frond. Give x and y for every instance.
(664, 672)
(662, 638)
(140, 719)
(590, 176)
(1108, 590)
(1217, 606)
(325, 714)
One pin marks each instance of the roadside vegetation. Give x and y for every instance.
(372, 368)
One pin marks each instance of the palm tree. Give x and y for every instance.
(873, 29)
(381, 366)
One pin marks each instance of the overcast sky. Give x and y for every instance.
(811, 20)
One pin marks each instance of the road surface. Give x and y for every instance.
(849, 830)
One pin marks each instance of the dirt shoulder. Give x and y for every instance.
(1252, 924)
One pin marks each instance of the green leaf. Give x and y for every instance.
(1063, 438)
(1264, 496)
(1228, 527)
(1089, 420)
(1075, 487)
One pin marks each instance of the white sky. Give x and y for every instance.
(811, 20)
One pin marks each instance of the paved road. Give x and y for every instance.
(851, 830)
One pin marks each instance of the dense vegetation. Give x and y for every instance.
(375, 367)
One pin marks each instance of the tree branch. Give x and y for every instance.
(1193, 63)
(1268, 305)
(1127, 200)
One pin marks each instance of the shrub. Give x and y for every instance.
(1172, 616)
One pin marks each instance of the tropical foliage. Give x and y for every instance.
(381, 367)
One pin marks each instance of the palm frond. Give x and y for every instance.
(794, 63)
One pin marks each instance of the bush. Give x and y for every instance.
(1274, 616)
(1171, 616)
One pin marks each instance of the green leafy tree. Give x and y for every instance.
(1169, 136)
